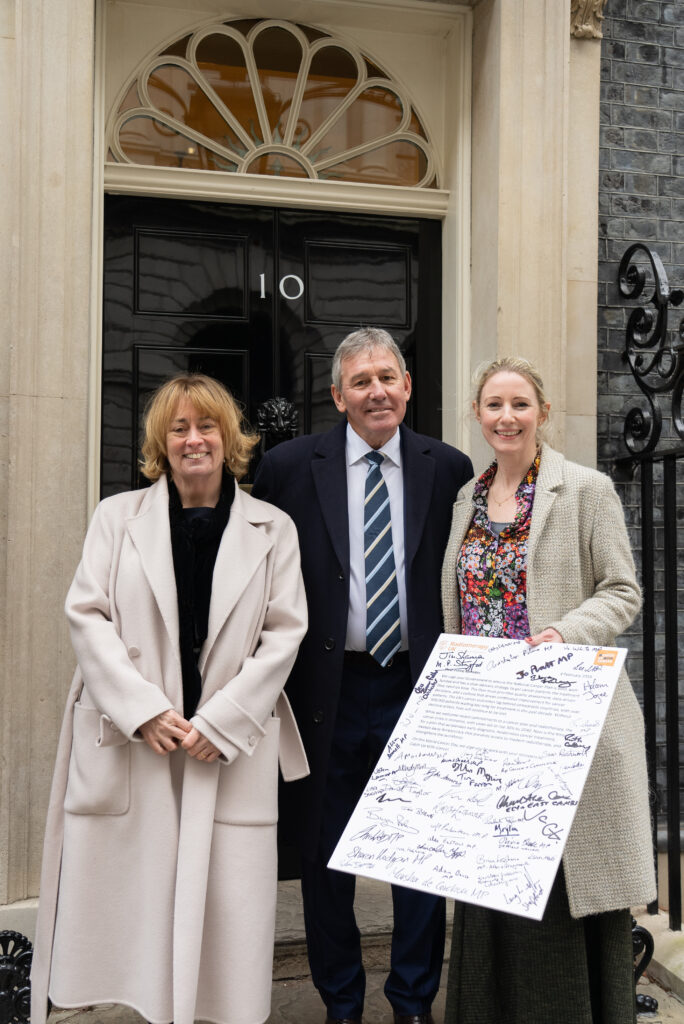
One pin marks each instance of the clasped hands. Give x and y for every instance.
(169, 730)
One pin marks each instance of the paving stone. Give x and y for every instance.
(295, 1000)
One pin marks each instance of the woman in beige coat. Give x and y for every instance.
(186, 612)
(539, 551)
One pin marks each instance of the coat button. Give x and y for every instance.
(318, 717)
(251, 740)
(340, 577)
(133, 651)
(329, 643)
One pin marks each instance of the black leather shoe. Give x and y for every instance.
(342, 1020)
(413, 1018)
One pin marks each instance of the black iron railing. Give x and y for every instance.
(16, 953)
(655, 355)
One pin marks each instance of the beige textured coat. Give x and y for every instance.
(580, 581)
(159, 873)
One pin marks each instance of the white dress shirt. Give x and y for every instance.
(357, 470)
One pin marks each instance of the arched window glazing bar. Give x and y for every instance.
(271, 97)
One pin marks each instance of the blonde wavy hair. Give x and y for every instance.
(524, 368)
(210, 398)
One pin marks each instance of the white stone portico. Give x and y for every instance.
(509, 97)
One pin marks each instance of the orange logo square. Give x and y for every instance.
(605, 657)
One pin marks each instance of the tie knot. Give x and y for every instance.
(375, 457)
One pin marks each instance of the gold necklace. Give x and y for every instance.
(500, 503)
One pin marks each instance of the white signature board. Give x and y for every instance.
(476, 790)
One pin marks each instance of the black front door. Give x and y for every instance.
(259, 298)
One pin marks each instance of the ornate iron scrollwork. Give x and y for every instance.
(642, 945)
(277, 420)
(657, 364)
(16, 954)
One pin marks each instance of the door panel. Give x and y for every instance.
(181, 293)
(210, 272)
(374, 288)
(259, 298)
(357, 271)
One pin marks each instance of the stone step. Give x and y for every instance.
(290, 961)
(373, 906)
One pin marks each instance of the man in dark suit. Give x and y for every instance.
(356, 668)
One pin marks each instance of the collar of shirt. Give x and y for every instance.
(356, 448)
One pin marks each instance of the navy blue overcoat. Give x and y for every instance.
(306, 477)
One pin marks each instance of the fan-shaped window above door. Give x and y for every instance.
(271, 97)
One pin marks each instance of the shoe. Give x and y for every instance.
(342, 1020)
(413, 1018)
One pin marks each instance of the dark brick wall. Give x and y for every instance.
(641, 199)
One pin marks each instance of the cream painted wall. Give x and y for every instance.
(46, 106)
(9, 131)
(582, 251)
(456, 236)
(534, 204)
(532, 190)
(486, 171)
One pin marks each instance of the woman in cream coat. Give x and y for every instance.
(159, 875)
(566, 553)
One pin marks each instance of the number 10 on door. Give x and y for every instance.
(290, 286)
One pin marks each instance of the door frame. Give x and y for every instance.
(451, 204)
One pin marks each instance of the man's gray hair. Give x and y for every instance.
(366, 339)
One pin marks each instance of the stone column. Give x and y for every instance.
(535, 163)
(582, 252)
(46, 165)
(9, 131)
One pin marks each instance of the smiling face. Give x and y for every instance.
(373, 393)
(194, 448)
(509, 413)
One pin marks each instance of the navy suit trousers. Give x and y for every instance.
(371, 701)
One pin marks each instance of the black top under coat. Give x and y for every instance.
(195, 538)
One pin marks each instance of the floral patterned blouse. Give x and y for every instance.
(492, 569)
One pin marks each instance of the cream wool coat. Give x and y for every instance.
(581, 582)
(159, 873)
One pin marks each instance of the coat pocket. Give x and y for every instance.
(248, 788)
(99, 775)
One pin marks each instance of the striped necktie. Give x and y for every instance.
(383, 628)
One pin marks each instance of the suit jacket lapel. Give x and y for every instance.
(150, 532)
(418, 469)
(329, 469)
